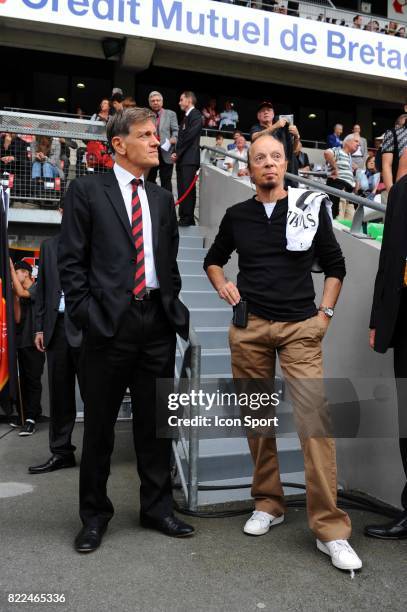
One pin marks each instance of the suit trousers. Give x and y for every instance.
(400, 372)
(31, 366)
(63, 361)
(165, 171)
(298, 346)
(142, 350)
(185, 176)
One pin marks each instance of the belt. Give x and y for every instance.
(150, 294)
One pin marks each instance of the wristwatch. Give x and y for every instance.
(329, 312)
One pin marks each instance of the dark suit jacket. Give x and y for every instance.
(389, 279)
(97, 254)
(189, 135)
(48, 296)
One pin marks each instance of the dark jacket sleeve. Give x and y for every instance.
(223, 246)
(188, 136)
(327, 248)
(39, 308)
(73, 252)
(379, 282)
(176, 278)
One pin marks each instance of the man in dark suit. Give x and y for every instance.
(187, 156)
(388, 327)
(61, 340)
(117, 261)
(167, 129)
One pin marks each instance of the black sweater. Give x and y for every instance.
(276, 283)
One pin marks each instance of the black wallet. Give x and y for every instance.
(240, 313)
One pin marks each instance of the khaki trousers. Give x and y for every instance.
(298, 346)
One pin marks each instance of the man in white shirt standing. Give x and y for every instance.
(117, 262)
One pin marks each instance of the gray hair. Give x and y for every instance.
(350, 137)
(120, 123)
(155, 93)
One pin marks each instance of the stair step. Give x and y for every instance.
(190, 267)
(210, 316)
(197, 299)
(192, 254)
(196, 282)
(213, 337)
(192, 230)
(192, 242)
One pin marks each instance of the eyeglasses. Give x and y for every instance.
(261, 159)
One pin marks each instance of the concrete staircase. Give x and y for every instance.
(224, 457)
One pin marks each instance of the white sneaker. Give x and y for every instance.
(260, 522)
(342, 554)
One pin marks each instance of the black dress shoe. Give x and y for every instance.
(170, 525)
(396, 530)
(89, 538)
(55, 462)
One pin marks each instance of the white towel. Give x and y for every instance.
(303, 217)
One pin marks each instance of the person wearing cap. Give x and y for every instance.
(31, 362)
(265, 117)
(287, 134)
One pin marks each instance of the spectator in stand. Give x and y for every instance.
(231, 146)
(80, 113)
(229, 118)
(286, 133)
(334, 140)
(220, 141)
(357, 22)
(103, 113)
(302, 158)
(167, 130)
(265, 117)
(31, 361)
(129, 102)
(268, 5)
(401, 32)
(367, 180)
(46, 158)
(360, 155)
(241, 151)
(211, 115)
(341, 176)
(116, 102)
(187, 156)
(394, 144)
(372, 26)
(391, 28)
(11, 152)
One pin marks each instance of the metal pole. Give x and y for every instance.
(194, 431)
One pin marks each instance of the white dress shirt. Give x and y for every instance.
(124, 179)
(189, 111)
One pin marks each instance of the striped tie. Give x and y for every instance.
(137, 231)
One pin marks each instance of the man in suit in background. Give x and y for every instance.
(388, 325)
(187, 156)
(117, 261)
(61, 340)
(167, 130)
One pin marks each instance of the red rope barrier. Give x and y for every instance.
(190, 188)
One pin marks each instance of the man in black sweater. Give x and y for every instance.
(277, 285)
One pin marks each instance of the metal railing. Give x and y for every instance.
(358, 218)
(189, 379)
(40, 154)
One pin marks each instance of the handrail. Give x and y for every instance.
(355, 230)
(191, 364)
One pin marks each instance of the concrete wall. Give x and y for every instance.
(369, 464)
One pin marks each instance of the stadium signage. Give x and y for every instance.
(233, 28)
